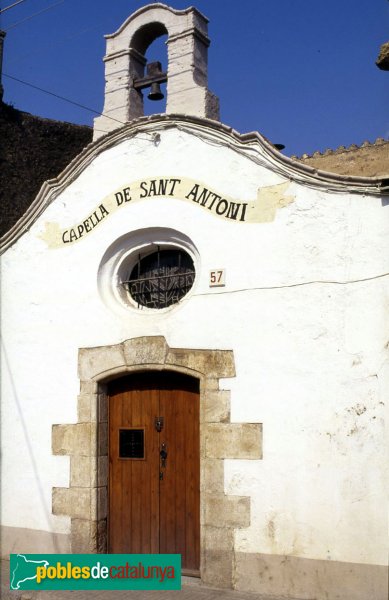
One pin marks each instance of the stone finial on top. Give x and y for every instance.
(125, 63)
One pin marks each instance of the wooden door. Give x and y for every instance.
(154, 505)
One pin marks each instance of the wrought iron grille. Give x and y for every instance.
(161, 278)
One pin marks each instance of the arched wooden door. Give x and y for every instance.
(154, 466)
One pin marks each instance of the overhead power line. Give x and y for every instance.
(11, 6)
(35, 87)
(35, 14)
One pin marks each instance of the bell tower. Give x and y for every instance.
(127, 74)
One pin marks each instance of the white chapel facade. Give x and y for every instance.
(195, 338)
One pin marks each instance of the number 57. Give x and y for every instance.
(217, 278)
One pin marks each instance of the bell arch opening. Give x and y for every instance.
(156, 54)
(146, 35)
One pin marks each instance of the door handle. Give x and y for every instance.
(163, 455)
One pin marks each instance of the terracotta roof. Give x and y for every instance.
(32, 150)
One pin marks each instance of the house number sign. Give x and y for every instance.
(217, 278)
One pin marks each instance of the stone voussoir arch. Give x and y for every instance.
(85, 500)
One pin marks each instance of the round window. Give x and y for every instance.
(160, 278)
(148, 270)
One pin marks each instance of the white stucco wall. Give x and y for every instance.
(304, 310)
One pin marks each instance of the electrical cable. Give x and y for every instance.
(291, 285)
(34, 15)
(154, 136)
(11, 6)
(35, 87)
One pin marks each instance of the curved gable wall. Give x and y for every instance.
(252, 145)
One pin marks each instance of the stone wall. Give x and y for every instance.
(32, 150)
(367, 160)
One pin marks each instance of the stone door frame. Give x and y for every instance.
(86, 442)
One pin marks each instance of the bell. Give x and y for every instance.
(155, 92)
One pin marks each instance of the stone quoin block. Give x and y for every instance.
(217, 406)
(83, 471)
(218, 551)
(138, 352)
(81, 439)
(82, 536)
(217, 363)
(92, 408)
(77, 438)
(86, 408)
(212, 475)
(99, 360)
(227, 511)
(233, 440)
(218, 569)
(88, 471)
(88, 387)
(88, 536)
(72, 502)
(217, 538)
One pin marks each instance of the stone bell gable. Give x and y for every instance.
(186, 76)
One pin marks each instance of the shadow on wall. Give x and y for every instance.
(43, 502)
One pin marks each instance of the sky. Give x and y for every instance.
(301, 72)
